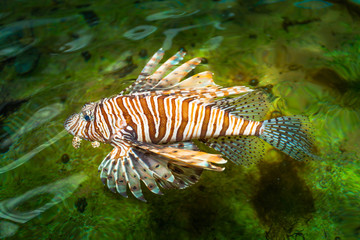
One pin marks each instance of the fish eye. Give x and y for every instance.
(87, 112)
(87, 116)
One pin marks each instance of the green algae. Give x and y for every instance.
(309, 57)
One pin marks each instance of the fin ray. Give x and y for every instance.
(198, 81)
(251, 106)
(142, 83)
(291, 135)
(133, 179)
(146, 175)
(179, 73)
(161, 71)
(120, 181)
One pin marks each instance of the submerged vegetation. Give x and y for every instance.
(57, 55)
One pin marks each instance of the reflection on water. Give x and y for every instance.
(171, 33)
(213, 43)
(40, 117)
(173, 13)
(20, 161)
(60, 190)
(17, 37)
(82, 39)
(140, 32)
(310, 4)
(7, 229)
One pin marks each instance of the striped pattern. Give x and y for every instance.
(161, 119)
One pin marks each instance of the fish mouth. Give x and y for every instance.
(71, 123)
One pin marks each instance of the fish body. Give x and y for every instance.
(151, 126)
(164, 119)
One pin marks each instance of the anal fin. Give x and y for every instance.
(161, 168)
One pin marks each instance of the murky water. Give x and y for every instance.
(57, 55)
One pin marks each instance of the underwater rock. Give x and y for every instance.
(329, 78)
(26, 157)
(140, 32)
(27, 61)
(65, 158)
(60, 190)
(310, 4)
(254, 82)
(252, 36)
(204, 60)
(86, 55)
(7, 229)
(81, 204)
(90, 17)
(143, 53)
(283, 199)
(267, 88)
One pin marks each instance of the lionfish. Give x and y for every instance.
(152, 125)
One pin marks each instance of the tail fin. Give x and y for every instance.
(291, 135)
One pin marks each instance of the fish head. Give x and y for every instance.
(82, 125)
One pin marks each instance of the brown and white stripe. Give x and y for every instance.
(165, 119)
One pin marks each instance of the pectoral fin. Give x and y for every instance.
(130, 163)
